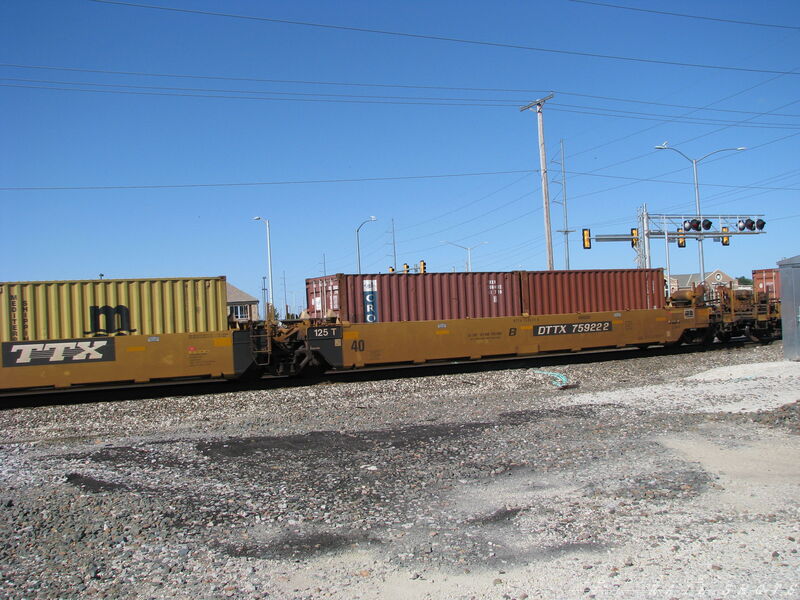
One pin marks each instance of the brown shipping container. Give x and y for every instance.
(389, 297)
(392, 297)
(51, 310)
(561, 292)
(767, 281)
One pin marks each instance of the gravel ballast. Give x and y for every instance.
(669, 475)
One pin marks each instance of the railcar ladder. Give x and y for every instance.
(261, 345)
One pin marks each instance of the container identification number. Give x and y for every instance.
(570, 328)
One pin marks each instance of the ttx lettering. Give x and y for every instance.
(59, 351)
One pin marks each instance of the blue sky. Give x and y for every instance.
(167, 131)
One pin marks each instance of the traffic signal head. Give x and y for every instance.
(706, 224)
(692, 225)
(634, 237)
(422, 266)
(760, 223)
(748, 224)
(681, 239)
(726, 240)
(587, 238)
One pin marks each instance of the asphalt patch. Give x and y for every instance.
(402, 437)
(295, 545)
(503, 515)
(90, 484)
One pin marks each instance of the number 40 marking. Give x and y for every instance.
(358, 346)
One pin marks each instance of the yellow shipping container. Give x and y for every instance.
(57, 310)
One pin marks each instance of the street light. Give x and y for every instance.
(694, 162)
(268, 309)
(358, 242)
(469, 252)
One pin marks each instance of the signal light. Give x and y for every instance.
(587, 238)
(422, 266)
(726, 240)
(748, 224)
(634, 237)
(760, 223)
(405, 267)
(391, 269)
(706, 224)
(681, 239)
(693, 225)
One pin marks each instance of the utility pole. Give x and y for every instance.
(566, 231)
(271, 307)
(285, 302)
(264, 295)
(324, 267)
(394, 247)
(539, 104)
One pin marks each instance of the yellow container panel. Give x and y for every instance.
(57, 310)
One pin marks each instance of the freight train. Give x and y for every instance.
(71, 334)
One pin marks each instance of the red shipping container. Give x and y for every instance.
(767, 281)
(389, 297)
(392, 297)
(560, 292)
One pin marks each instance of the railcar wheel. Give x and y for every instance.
(708, 337)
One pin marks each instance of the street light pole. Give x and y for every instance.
(469, 252)
(268, 310)
(358, 242)
(694, 162)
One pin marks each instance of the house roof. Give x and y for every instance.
(687, 280)
(794, 260)
(237, 296)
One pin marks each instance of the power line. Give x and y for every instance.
(395, 178)
(406, 101)
(315, 100)
(258, 183)
(465, 206)
(510, 102)
(439, 38)
(678, 119)
(261, 80)
(354, 84)
(728, 97)
(685, 16)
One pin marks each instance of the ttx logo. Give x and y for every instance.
(17, 354)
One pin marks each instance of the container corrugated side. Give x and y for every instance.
(49, 310)
(322, 295)
(561, 292)
(767, 281)
(392, 297)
